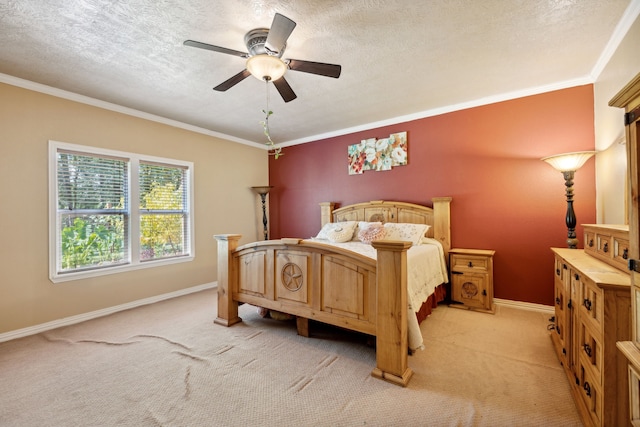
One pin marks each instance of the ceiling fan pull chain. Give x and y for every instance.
(276, 151)
(266, 85)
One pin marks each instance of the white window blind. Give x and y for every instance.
(92, 211)
(96, 228)
(164, 218)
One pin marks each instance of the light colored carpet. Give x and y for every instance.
(167, 364)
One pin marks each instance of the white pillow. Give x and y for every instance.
(406, 232)
(336, 231)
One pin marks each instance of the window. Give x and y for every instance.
(95, 226)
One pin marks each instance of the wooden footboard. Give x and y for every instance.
(313, 280)
(316, 281)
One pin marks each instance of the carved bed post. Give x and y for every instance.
(227, 277)
(442, 223)
(391, 317)
(326, 209)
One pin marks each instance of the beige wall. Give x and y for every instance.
(224, 203)
(611, 161)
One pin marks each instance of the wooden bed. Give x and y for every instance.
(313, 280)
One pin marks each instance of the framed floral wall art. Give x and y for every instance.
(378, 154)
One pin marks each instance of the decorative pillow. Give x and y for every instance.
(340, 234)
(371, 233)
(406, 232)
(346, 228)
(360, 226)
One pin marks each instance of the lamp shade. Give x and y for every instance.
(569, 161)
(266, 67)
(264, 189)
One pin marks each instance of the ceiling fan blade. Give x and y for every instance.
(228, 84)
(280, 30)
(284, 89)
(320, 68)
(206, 46)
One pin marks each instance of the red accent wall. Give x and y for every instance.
(487, 158)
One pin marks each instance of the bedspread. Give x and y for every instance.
(426, 270)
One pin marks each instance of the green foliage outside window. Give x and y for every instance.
(161, 235)
(93, 240)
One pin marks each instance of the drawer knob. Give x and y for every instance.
(625, 253)
(605, 248)
(557, 301)
(470, 264)
(587, 388)
(576, 276)
(590, 243)
(587, 349)
(557, 271)
(587, 304)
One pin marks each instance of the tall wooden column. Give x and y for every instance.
(392, 345)
(227, 279)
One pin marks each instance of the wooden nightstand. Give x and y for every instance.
(472, 279)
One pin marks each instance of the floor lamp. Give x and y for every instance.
(568, 164)
(263, 191)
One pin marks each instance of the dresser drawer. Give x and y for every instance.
(589, 240)
(591, 395)
(604, 242)
(590, 352)
(590, 304)
(560, 269)
(621, 251)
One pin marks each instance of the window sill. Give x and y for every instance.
(67, 277)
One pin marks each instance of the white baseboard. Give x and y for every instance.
(525, 305)
(36, 329)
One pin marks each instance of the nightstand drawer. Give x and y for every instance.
(469, 262)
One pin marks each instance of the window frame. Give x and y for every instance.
(132, 237)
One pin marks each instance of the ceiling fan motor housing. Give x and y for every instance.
(255, 41)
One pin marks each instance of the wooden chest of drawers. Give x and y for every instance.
(592, 310)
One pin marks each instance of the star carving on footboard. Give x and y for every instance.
(291, 276)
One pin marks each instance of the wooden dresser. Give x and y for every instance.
(629, 99)
(592, 312)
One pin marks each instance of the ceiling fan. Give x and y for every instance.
(264, 59)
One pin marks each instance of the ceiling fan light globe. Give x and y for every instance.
(266, 67)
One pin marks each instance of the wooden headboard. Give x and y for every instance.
(438, 217)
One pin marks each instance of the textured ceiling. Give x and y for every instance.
(400, 58)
